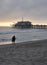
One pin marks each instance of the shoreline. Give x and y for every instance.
(26, 42)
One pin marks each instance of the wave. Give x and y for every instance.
(3, 40)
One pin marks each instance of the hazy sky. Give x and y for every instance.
(34, 10)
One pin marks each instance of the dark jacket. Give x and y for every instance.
(13, 39)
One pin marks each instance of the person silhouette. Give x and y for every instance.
(13, 39)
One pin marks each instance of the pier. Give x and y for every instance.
(27, 24)
(39, 26)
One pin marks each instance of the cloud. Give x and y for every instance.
(27, 8)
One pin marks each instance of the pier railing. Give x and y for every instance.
(39, 26)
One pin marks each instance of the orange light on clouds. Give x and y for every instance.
(6, 24)
(10, 23)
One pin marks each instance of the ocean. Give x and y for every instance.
(22, 35)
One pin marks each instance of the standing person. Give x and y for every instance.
(13, 39)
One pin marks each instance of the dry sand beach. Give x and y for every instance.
(26, 53)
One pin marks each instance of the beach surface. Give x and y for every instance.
(24, 53)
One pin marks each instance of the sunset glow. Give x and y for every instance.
(6, 24)
(34, 22)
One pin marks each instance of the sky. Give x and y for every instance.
(12, 11)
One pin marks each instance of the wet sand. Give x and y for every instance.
(26, 53)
